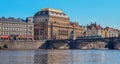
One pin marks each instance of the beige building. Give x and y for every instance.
(96, 30)
(54, 24)
(93, 30)
(111, 32)
(11, 28)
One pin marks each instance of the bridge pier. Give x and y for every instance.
(72, 44)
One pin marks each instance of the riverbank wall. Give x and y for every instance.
(60, 44)
(22, 44)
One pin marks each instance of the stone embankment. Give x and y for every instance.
(61, 44)
(21, 44)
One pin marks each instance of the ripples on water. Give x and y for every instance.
(59, 57)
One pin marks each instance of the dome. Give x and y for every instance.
(51, 12)
(42, 13)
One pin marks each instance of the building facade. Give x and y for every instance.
(111, 32)
(93, 30)
(11, 28)
(96, 30)
(54, 24)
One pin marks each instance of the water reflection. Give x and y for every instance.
(59, 57)
(16, 57)
(52, 57)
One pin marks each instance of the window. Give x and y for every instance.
(36, 31)
(43, 13)
(41, 31)
(3, 33)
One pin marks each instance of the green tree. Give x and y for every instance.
(0, 47)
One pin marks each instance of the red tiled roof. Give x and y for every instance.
(98, 27)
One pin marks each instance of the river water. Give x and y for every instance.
(59, 57)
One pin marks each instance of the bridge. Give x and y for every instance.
(94, 43)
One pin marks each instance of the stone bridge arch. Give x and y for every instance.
(91, 44)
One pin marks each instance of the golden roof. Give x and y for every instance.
(51, 9)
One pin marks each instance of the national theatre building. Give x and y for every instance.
(54, 24)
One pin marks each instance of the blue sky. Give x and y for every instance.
(104, 12)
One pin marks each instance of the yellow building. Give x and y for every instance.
(54, 24)
(105, 33)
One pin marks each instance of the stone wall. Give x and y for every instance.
(90, 45)
(57, 44)
(60, 44)
(22, 44)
